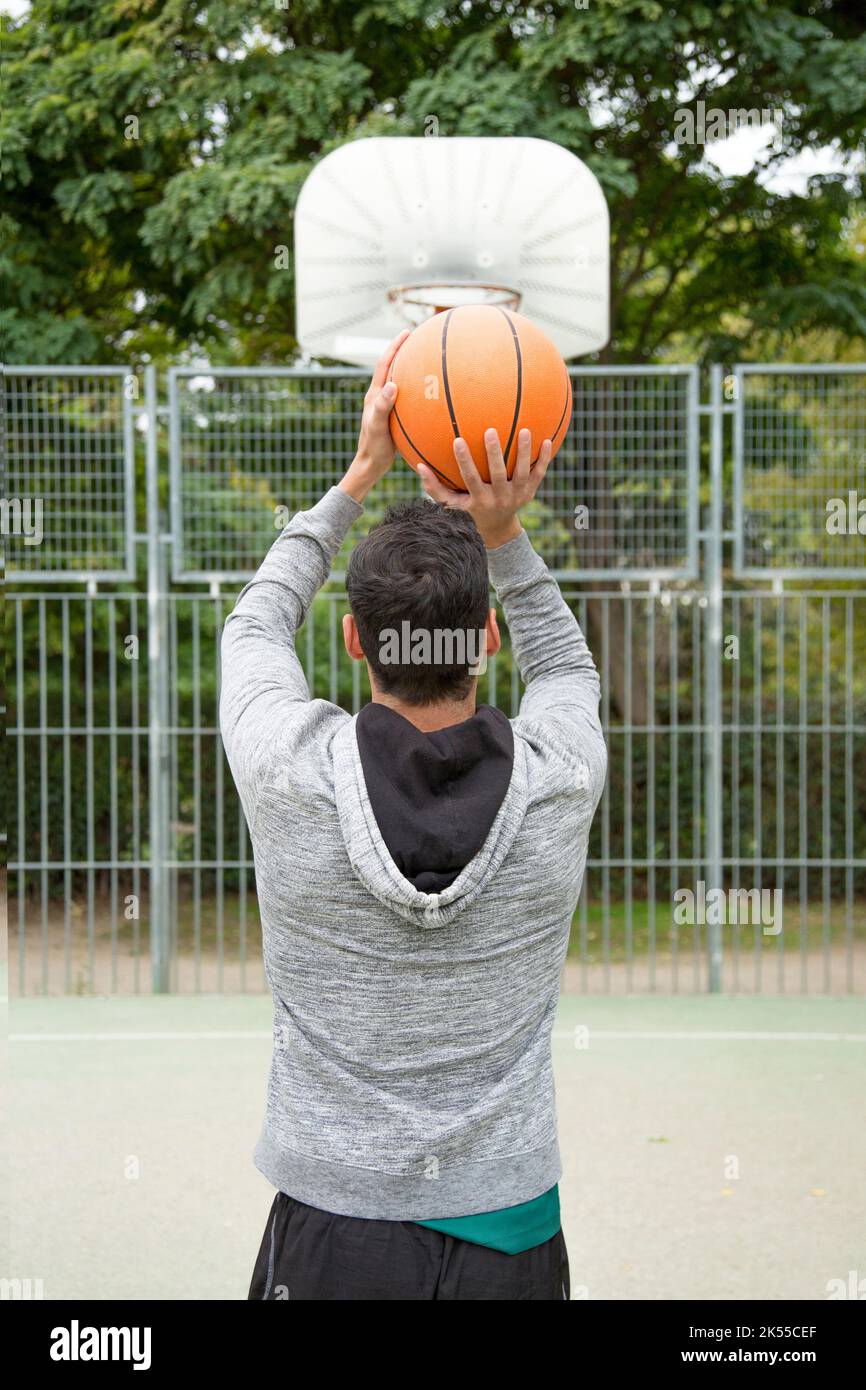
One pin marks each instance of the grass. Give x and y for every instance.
(621, 934)
(632, 934)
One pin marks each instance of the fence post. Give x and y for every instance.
(713, 775)
(157, 690)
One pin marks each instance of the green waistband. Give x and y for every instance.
(511, 1229)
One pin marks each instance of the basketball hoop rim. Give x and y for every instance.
(502, 296)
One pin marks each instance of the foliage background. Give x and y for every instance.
(149, 248)
(154, 150)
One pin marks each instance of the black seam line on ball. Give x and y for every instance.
(564, 409)
(424, 460)
(519, 383)
(445, 375)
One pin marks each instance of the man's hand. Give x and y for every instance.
(493, 506)
(375, 453)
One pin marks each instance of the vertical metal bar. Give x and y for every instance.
(90, 791)
(583, 902)
(173, 790)
(157, 656)
(628, 850)
(21, 790)
(175, 494)
(737, 625)
(44, 848)
(196, 789)
(738, 440)
(712, 677)
(674, 736)
(780, 780)
(219, 800)
(651, 790)
(65, 717)
(803, 843)
(826, 832)
(129, 474)
(112, 780)
(693, 457)
(849, 794)
(757, 762)
(698, 781)
(605, 796)
(136, 795)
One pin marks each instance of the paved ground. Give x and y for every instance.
(713, 1147)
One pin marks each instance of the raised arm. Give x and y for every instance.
(264, 697)
(262, 682)
(548, 645)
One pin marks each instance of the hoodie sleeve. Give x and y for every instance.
(263, 690)
(562, 686)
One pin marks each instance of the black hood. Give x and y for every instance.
(435, 796)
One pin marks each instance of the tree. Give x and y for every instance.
(154, 152)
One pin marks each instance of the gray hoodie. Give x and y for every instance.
(411, 1076)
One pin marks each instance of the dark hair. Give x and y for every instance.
(425, 565)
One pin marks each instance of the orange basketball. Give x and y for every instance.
(468, 369)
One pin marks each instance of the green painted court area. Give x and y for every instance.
(713, 1147)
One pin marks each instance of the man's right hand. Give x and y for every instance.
(493, 506)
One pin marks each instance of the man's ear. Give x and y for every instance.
(494, 641)
(351, 639)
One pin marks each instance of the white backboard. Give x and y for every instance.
(381, 220)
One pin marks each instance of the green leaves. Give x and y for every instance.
(90, 199)
(153, 155)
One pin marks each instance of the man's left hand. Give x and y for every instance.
(376, 452)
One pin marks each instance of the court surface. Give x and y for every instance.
(713, 1148)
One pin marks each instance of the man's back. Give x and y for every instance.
(411, 1075)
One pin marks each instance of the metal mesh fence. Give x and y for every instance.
(794, 731)
(77, 741)
(800, 471)
(631, 458)
(69, 473)
(92, 894)
(245, 444)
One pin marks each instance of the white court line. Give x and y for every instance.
(137, 1037)
(603, 1034)
(712, 1037)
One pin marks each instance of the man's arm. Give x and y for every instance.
(548, 645)
(262, 682)
(263, 690)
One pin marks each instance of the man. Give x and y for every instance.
(417, 869)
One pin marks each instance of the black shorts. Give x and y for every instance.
(316, 1256)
